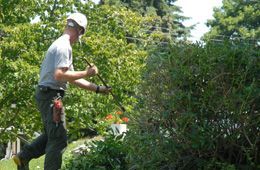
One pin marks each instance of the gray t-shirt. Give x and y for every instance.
(59, 55)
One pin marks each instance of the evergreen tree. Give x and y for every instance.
(169, 15)
(236, 19)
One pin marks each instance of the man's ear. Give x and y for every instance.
(80, 31)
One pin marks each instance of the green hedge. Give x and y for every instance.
(109, 153)
(199, 109)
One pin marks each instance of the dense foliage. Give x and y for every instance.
(170, 15)
(236, 20)
(198, 109)
(170, 20)
(109, 153)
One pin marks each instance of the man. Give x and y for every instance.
(56, 71)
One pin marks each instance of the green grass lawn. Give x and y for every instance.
(37, 164)
(10, 165)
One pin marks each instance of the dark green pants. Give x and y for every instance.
(53, 140)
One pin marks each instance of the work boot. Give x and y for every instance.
(21, 165)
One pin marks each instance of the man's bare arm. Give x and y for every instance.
(84, 84)
(63, 74)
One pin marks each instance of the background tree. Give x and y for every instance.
(170, 16)
(14, 12)
(235, 19)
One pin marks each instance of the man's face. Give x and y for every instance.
(76, 33)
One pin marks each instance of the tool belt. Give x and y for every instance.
(48, 89)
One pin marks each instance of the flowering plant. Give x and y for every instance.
(116, 118)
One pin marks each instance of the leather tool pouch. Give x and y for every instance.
(58, 110)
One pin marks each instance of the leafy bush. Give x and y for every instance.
(199, 109)
(109, 153)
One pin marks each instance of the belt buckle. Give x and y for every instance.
(43, 88)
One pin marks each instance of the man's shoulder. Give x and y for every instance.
(62, 43)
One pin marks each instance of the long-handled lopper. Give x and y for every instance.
(114, 97)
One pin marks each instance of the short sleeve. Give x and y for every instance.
(62, 58)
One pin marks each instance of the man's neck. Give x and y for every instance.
(67, 34)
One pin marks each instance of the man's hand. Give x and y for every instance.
(104, 89)
(91, 71)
